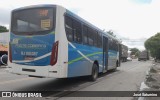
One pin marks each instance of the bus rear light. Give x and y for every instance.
(54, 54)
(10, 53)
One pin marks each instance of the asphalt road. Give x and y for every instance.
(128, 77)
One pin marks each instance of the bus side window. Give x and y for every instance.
(115, 46)
(69, 28)
(90, 36)
(99, 39)
(77, 31)
(85, 34)
(110, 44)
(95, 33)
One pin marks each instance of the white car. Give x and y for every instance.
(129, 59)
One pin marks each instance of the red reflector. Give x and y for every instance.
(10, 53)
(54, 54)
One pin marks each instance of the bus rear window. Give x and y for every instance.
(33, 21)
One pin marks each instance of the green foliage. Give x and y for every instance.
(3, 29)
(153, 45)
(134, 51)
(137, 54)
(111, 33)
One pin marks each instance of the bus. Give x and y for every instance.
(51, 41)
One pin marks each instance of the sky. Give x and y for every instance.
(133, 21)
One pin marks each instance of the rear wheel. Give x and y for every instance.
(94, 74)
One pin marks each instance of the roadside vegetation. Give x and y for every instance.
(135, 51)
(153, 45)
(3, 29)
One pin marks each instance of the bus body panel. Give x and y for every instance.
(29, 70)
(32, 50)
(62, 66)
(112, 59)
(81, 59)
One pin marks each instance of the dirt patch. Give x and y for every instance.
(153, 77)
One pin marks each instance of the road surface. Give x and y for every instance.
(128, 77)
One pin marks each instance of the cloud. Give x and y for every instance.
(134, 19)
(142, 1)
(5, 16)
(124, 17)
(134, 43)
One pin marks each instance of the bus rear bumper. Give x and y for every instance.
(34, 71)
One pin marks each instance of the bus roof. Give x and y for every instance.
(35, 6)
(70, 13)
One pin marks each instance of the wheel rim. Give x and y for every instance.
(95, 73)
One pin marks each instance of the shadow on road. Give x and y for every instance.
(62, 84)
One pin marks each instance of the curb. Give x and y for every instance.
(144, 87)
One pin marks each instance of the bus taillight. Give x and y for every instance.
(10, 53)
(54, 54)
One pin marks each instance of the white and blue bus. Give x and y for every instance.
(50, 41)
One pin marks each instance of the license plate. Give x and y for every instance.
(29, 58)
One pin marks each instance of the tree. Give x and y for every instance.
(153, 45)
(137, 54)
(3, 29)
(111, 33)
(134, 51)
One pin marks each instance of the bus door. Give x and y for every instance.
(120, 53)
(105, 54)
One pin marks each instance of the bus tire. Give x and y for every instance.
(94, 74)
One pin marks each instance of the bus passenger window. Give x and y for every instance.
(99, 37)
(69, 28)
(110, 44)
(85, 36)
(95, 33)
(90, 36)
(77, 31)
